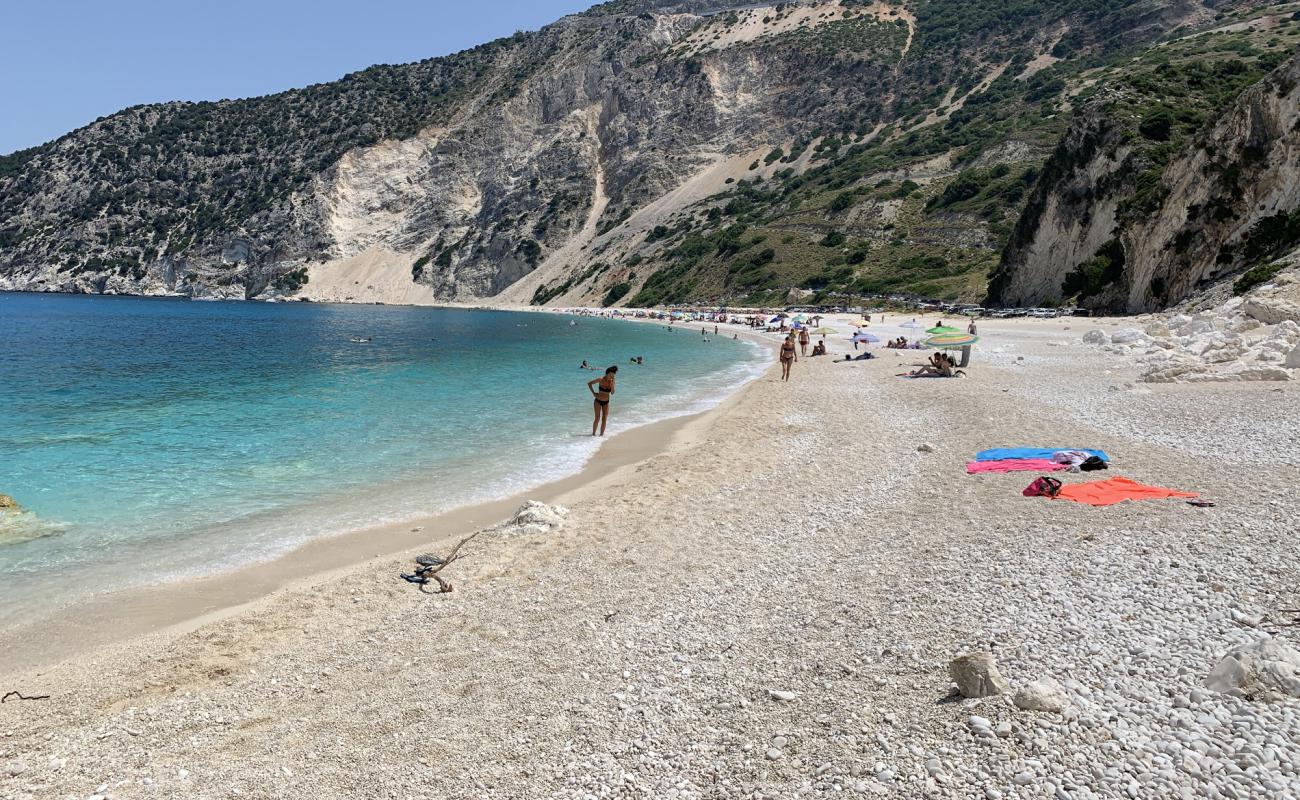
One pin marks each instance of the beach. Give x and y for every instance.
(761, 600)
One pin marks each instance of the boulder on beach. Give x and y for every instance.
(1127, 336)
(1041, 695)
(536, 517)
(7, 503)
(1292, 361)
(976, 675)
(1267, 670)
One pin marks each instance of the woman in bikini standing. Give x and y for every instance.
(789, 355)
(601, 388)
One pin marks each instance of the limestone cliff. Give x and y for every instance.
(1128, 238)
(660, 150)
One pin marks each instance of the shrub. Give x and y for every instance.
(1093, 276)
(832, 239)
(966, 185)
(842, 201)
(1157, 124)
(616, 293)
(291, 281)
(905, 188)
(417, 269)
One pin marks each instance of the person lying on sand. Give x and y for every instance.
(861, 357)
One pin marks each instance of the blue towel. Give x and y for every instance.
(999, 453)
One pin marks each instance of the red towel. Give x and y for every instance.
(1014, 465)
(1115, 490)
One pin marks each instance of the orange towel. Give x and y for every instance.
(1115, 490)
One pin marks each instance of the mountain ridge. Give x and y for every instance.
(542, 167)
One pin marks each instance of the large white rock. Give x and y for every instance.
(1096, 336)
(1157, 329)
(1041, 695)
(976, 675)
(1267, 670)
(1262, 373)
(1127, 336)
(535, 517)
(1293, 359)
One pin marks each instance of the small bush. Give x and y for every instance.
(1157, 125)
(842, 201)
(616, 292)
(1255, 276)
(291, 281)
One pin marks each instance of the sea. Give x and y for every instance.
(153, 439)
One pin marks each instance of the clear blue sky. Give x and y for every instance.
(68, 62)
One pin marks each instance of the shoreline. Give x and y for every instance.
(766, 606)
(179, 605)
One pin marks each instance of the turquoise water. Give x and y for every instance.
(158, 438)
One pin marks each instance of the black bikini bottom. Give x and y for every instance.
(602, 402)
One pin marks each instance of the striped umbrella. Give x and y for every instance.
(952, 341)
(943, 329)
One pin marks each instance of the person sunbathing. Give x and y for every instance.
(819, 349)
(940, 366)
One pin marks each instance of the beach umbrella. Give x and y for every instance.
(952, 341)
(777, 318)
(863, 336)
(912, 324)
(823, 330)
(943, 329)
(799, 318)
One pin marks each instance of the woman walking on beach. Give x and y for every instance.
(601, 388)
(789, 355)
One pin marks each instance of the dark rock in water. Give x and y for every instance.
(7, 502)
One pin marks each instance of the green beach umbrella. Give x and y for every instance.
(952, 341)
(943, 329)
(823, 330)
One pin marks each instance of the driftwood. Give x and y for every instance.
(20, 696)
(431, 565)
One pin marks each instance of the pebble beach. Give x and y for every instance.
(767, 606)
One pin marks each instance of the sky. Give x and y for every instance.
(69, 62)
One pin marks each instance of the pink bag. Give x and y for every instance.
(1043, 487)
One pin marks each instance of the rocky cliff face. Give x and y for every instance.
(646, 148)
(1227, 200)
(533, 140)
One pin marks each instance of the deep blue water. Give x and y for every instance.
(157, 437)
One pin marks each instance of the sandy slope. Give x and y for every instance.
(794, 541)
(376, 275)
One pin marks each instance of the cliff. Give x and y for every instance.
(1127, 232)
(644, 151)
